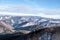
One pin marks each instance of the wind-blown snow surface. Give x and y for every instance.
(24, 22)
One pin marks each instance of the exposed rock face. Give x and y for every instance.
(5, 28)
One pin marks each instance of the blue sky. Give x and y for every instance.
(40, 3)
(50, 8)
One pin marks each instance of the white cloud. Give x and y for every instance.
(23, 14)
(24, 10)
(16, 9)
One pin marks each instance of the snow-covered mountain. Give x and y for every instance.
(28, 22)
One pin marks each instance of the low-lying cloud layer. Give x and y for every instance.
(29, 11)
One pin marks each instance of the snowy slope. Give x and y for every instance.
(28, 22)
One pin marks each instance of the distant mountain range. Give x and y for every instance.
(24, 22)
(21, 20)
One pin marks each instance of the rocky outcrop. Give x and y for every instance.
(5, 28)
